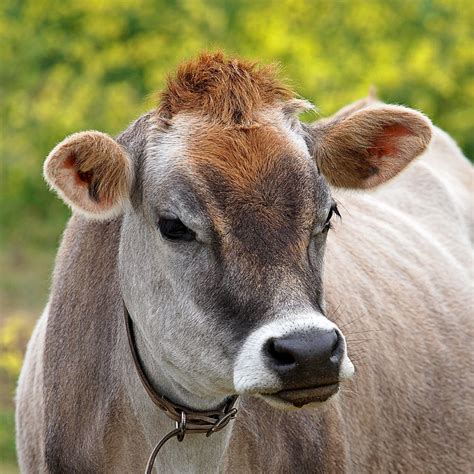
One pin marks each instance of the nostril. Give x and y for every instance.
(337, 343)
(337, 349)
(279, 354)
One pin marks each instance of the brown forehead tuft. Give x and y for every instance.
(227, 90)
(241, 156)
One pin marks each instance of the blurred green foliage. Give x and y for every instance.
(94, 64)
(14, 333)
(7, 440)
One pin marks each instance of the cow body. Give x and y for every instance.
(397, 281)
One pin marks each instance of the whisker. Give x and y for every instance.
(344, 207)
(351, 322)
(357, 348)
(358, 357)
(354, 355)
(349, 394)
(333, 317)
(365, 332)
(357, 352)
(350, 389)
(358, 340)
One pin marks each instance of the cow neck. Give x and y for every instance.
(187, 421)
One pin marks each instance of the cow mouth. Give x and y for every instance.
(300, 397)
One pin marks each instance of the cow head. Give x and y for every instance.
(226, 204)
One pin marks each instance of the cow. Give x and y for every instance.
(207, 223)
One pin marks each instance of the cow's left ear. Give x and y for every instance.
(370, 146)
(92, 173)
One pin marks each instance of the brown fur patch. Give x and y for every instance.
(226, 90)
(243, 155)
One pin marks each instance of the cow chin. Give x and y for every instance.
(294, 399)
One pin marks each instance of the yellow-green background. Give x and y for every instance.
(95, 64)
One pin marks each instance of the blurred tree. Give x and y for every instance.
(94, 64)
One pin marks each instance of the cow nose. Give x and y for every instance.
(306, 359)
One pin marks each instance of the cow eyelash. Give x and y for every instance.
(333, 210)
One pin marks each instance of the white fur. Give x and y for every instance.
(165, 150)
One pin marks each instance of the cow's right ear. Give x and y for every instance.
(92, 173)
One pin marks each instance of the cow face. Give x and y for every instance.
(226, 211)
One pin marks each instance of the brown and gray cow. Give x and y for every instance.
(209, 217)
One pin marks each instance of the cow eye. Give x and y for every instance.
(174, 229)
(333, 210)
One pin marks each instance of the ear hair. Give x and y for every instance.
(294, 107)
(91, 172)
(370, 101)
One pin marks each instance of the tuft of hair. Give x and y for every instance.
(227, 90)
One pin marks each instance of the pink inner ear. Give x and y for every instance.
(81, 178)
(70, 161)
(386, 144)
